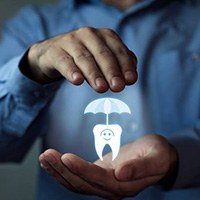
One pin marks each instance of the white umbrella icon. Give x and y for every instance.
(107, 106)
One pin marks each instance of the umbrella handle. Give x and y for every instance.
(107, 119)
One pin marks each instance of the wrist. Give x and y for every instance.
(30, 69)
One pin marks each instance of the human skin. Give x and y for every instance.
(139, 164)
(96, 55)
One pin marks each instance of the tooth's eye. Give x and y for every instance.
(104, 134)
(109, 134)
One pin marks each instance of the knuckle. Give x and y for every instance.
(44, 58)
(85, 30)
(112, 34)
(93, 74)
(111, 72)
(63, 59)
(109, 32)
(105, 52)
(70, 36)
(36, 50)
(122, 51)
(49, 50)
(83, 54)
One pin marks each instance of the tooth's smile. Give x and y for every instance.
(106, 139)
(107, 134)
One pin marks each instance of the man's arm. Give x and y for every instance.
(21, 99)
(96, 55)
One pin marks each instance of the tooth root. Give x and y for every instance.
(99, 146)
(99, 143)
(115, 146)
(116, 141)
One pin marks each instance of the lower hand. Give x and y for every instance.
(138, 165)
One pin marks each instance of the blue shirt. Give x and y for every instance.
(165, 36)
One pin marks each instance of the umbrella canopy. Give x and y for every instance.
(107, 106)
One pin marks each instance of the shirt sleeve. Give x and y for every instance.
(21, 99)
(187, 143)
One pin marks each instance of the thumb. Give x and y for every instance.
(141, 167)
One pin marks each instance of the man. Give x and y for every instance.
(45, 49)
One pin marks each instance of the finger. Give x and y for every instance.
(90, 172)
(126, 59)
(96, 175)
(51, 171)
(140, 168)
(80, 186)
(104, 58)
(86, 63)
(64, 64)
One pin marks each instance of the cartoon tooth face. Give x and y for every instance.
(107, 134)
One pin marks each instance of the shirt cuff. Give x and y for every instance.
(21, 86)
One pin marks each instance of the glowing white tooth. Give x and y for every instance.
(99, 146)
(115, 146)
(107, 134)
(99, 143)
(116, 140)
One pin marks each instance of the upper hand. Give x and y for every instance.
(138, 165)
(96, 55)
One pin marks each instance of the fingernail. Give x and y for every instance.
(76, 75)
(129, 76)
(117, 83)
(100, 82)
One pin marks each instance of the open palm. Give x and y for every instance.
(138, 165)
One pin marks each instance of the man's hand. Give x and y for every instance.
(96, 55)
(138, 165)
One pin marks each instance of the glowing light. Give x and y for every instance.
(105, 133)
